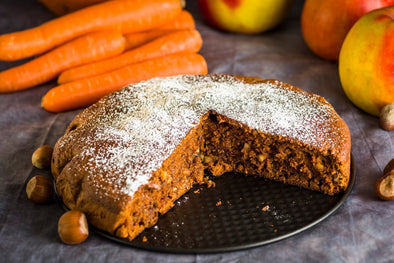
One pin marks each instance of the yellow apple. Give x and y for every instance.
(244, 16)
(366, 61)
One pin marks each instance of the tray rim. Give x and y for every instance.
(126, 242)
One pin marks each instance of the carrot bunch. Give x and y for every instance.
(101, 48)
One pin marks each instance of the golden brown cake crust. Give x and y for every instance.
(123, 173)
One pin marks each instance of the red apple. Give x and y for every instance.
(366, 61)
(244, 16)
(325, 23)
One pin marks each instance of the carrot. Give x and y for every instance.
(134, 40)
(125, 15)
(62, 7)
(182, 22)
(79, 51)
(179, 41)
(87, 91)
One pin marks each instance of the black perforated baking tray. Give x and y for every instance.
(239, 212)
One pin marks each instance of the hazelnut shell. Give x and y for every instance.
(384, 186)
(39, 189)
(386, 117)
(389, 167)
(73, 227)
(41, 158)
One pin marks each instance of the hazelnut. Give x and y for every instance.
(41, 157)
(73, 227)
(261, 157)
(319, 165)
(39, 189)
(207, 159)
(387, 117)
(384, 186)
(389, 167)
(247, 146)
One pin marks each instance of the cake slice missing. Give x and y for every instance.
(126, 159)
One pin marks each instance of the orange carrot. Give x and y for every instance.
(82, 50)
(134, 40)
(85, 92)
(62, 7)
(175, 42)
(182, 22)
(126, 16)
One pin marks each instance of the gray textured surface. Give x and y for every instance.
(361, 230)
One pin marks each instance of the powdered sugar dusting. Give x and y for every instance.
(143, 123)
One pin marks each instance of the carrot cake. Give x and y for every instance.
(126, 159)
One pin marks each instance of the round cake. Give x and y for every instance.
(126, 159)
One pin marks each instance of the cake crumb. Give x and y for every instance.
(265, 208)
(210, 184)
(219, 203)
(144, 239)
